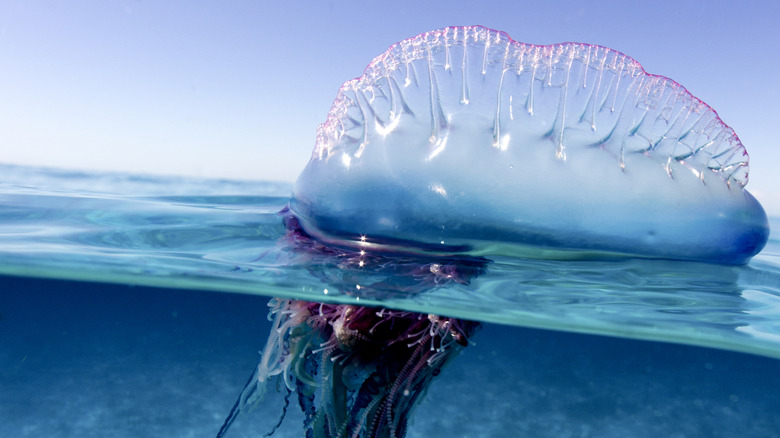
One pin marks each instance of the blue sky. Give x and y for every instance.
(236, 88)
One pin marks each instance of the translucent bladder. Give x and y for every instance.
(464, 140)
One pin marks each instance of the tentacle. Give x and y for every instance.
(284, 413)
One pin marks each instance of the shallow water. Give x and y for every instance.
(103, 354)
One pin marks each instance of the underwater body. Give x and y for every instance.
(386, 262)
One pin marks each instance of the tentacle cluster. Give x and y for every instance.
(357, 371)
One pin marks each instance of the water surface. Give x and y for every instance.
(226, 236)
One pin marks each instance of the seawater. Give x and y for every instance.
(135, 306)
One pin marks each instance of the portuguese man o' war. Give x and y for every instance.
(460, 144)
(464, 140)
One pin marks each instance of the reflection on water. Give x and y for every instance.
(228, 236)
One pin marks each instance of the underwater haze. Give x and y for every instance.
(136, 306)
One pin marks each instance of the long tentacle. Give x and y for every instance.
(249, 386)
(284, 413)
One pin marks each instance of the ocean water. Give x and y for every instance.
(136, 306)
